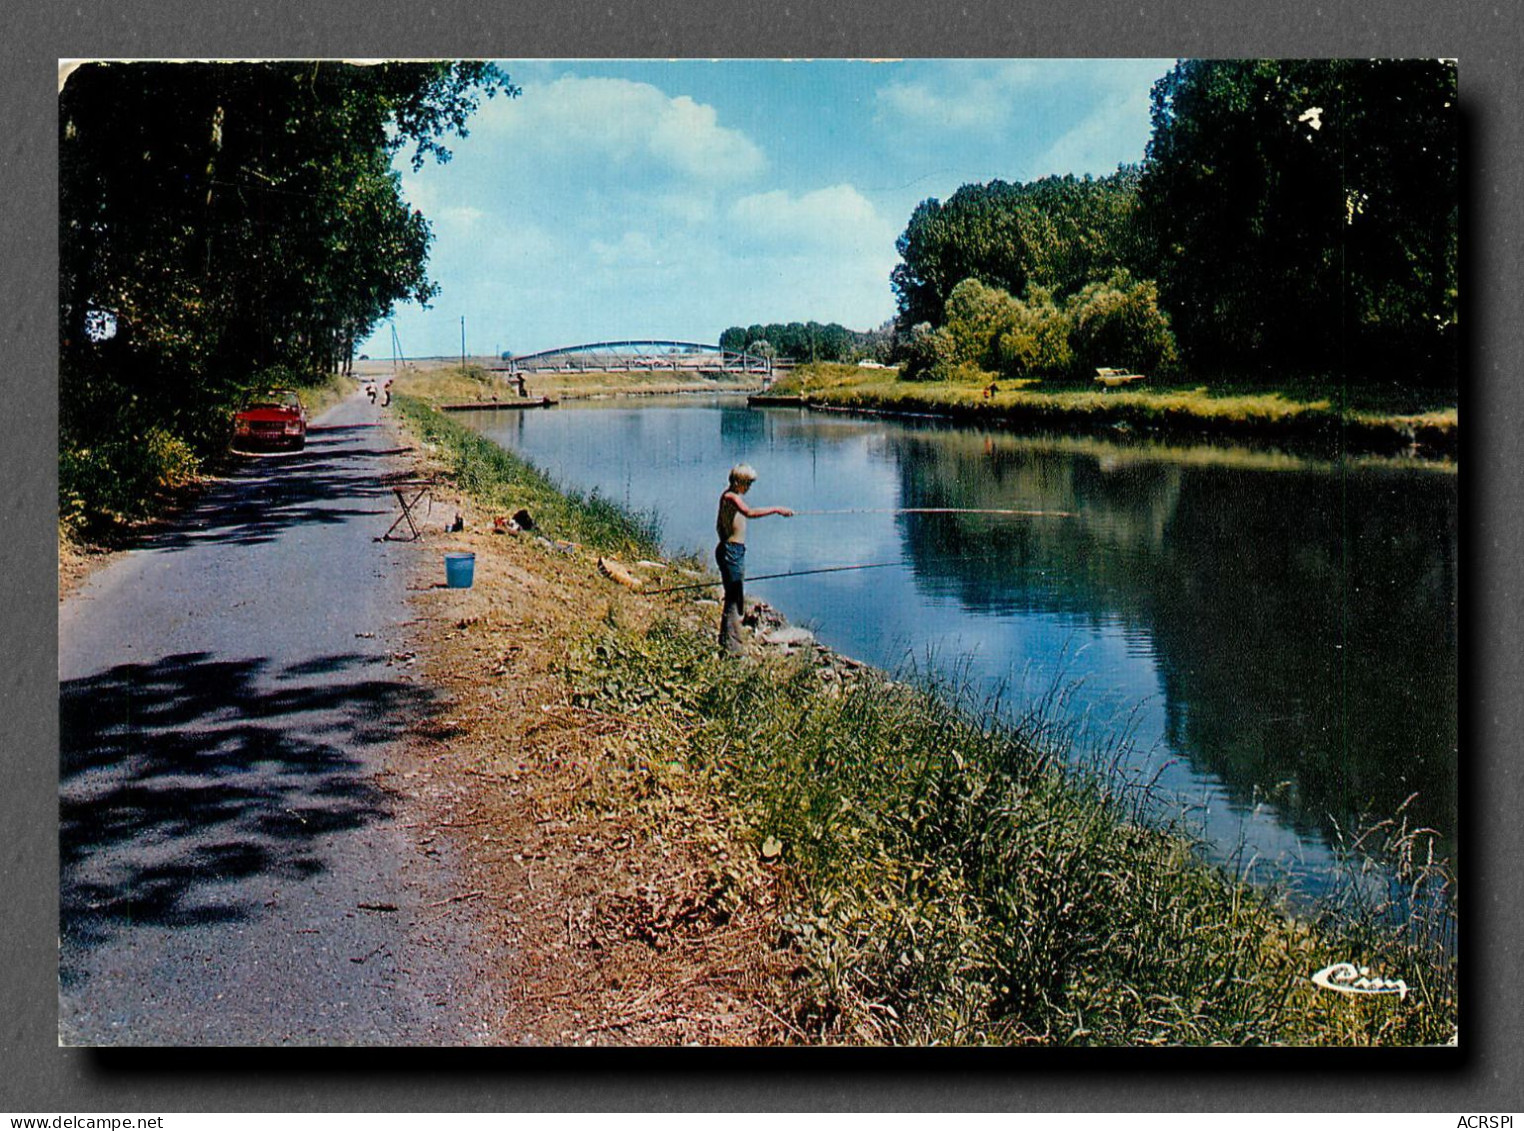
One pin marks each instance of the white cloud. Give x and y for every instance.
(688, 208)
(633, 249)
(621, 122)
(823, 256)
(971, 96)
(463, 217)
(1091, 146)
(978, 97)
(838, 216)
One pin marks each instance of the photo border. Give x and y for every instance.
(1480, 1075)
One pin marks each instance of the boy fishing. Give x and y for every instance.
(730, 554)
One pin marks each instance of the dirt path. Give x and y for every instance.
(614, 914)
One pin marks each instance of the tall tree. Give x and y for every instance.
(1059, 233)
(1305, 214)
(218, 221)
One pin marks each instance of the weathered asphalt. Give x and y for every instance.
(227, 698)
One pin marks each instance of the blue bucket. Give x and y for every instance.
(460, 569)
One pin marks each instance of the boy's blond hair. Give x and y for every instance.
(742, 473)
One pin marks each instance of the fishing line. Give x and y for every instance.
(869, 565)
(838, 569)
(941, 510)
(772, 576)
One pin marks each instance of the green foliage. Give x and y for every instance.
(949, 881)
(220, 222)
(121, 480)
(1058, 233)
(809, 341)
(1118, 324)
(1115, 323)
(928, 353)
(1305, 215)
(1037, 340)
(977, 317)
(1300, 218)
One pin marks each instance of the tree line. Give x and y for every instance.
(1291, 220)
(810, 341)
(223, 227)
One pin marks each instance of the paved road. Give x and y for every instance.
(228, 695)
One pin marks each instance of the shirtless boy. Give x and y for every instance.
(731, 552)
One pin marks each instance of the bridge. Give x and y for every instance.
(650, 355)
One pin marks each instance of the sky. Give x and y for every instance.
(670, 200)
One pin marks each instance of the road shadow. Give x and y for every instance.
(192, 787)
(334, 479)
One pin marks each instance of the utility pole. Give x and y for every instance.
(397, 353)
(462, 343)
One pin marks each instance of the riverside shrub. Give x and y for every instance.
(1115, 323)
(978, 316)
(1118, 323)
(928, 353)
(1037, 341)
(119, 479)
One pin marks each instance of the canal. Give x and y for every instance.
(1274, 637)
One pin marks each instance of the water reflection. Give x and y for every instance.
(1279, 636)
(1301, 621)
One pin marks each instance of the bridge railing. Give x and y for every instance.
(640, 356)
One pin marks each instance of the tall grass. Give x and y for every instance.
(319, 392)
(444, 383)
(950, 880)
(503, 481)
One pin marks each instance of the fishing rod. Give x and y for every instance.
(940, 510)
(608, 571)
(625, 578)
(773, 576)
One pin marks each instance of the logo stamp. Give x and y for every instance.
(1347, 978)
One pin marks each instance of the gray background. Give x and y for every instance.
(35, 1075)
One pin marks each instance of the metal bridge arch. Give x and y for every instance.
(652, 354)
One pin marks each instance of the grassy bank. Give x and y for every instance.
(932, 874)
(502, 483)
(452, 383)
(949, 881)
(1381, 422)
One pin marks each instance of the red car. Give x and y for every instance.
(275, 419)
